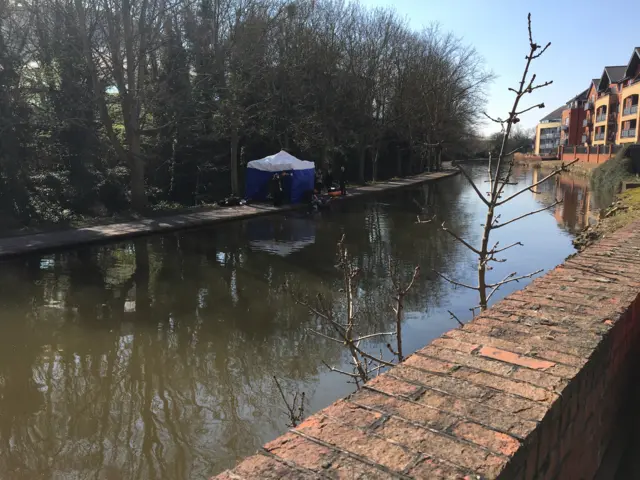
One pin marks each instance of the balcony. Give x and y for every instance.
(586, 122)
(632, 110)
(588, 106)
(599, 136)
(601, 118)
(630, 133)
(565, 128)
(584, 139)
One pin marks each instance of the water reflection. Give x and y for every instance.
(154, 358)
(578, 208)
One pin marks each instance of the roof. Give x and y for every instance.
(555, 115)
(635, 57)
(581, 96)
(615, 74)
(279, 162)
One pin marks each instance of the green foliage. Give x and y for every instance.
(328, 81)
(607, 178)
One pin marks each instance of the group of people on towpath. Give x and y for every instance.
(326, 181)
(322, 183)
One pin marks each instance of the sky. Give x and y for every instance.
(585, 37)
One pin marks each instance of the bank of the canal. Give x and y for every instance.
(154, 357)
(46, 241)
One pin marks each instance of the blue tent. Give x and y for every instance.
(260, 172)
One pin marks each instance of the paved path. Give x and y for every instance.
(24, 244)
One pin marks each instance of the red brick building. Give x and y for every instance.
(572, 120)
(589, 112)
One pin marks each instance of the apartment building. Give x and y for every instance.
(607, 105)
(606, 113)
(548, 133)
(629, 115)
(572, 120)
(589, 112)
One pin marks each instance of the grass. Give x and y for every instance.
(624, 211)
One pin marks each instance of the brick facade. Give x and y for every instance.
(534, 388)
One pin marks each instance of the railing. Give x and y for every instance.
(584, 139)
(586, 122)
(630, 133)
(599, 136)
(565, 127)
(601, 118)
(588, 106)
(632, 110)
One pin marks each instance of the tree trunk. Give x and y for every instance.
(362, 157)
(136, 163)
(234, 161)
(375, 165)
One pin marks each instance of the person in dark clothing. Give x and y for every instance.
(328, 180)
(318, 184)
(276, 190)
(343, 181)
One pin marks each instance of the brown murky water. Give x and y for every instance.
(154, 358)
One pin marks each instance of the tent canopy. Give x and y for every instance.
(260, 172)
(280, 162)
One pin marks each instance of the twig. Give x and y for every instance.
(453, 315)
(558, 202)
(470, 287)
(295, 410)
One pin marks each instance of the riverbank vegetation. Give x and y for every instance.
(623, 208)
(108, 105)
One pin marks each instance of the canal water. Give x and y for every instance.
(155, 357)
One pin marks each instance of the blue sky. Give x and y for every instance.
(585, 36)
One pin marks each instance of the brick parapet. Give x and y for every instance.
(533, 388)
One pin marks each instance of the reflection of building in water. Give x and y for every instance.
(574, 211)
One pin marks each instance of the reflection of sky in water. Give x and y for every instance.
(154, 358)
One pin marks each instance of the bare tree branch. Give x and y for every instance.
(520, 217)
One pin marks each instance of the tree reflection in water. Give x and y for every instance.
(154, 358)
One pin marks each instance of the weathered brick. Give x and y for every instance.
(491, 417)
(523, 407)
(348, 468)
(574, 336)
(260, 466)
(305, 453)
(495, 441)
(548, 379)
(513, 336)
(445, 342)
(523, 348)
(406, 409)
(510, 357)
(440, 446)
(350, 413)
(429, 364)
(520, 389)
(391, 385)
(434, 468)
(356, 441)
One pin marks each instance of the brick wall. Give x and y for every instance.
(535, 388)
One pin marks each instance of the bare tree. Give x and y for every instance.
(365, 365)
(295, 407)
(500, 174)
